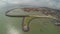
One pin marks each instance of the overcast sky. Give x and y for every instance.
(38, 3)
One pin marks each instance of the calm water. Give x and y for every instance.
(13, 25)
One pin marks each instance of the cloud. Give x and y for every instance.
(18, 1)
(38, 3)
(33, 2)
(12, 30)
(3, 3)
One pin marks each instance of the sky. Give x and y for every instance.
(9, 4)
(37, 3)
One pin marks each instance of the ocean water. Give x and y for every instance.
(13, 25)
